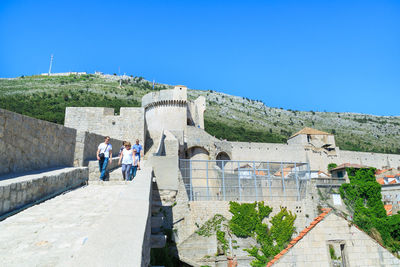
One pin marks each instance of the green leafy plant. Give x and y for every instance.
(363, 198)
(331, 166)
(247, 221)
(332, 252)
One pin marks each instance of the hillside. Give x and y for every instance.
(229, 117)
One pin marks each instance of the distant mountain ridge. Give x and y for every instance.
(228, 117)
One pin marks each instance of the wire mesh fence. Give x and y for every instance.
(244, 180)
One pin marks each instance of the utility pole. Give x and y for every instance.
(51, 63)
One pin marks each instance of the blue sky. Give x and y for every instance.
(341, 56)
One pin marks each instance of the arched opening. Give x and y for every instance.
(222, 157)
(197, 153)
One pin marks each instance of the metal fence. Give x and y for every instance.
(244, 180)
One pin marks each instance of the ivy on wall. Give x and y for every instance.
(363, 198)
(248, 220)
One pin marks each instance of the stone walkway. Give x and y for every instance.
(46, 234)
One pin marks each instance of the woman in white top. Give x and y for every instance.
(126, 158)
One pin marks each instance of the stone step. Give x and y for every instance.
(155, 230)
(157, 221)
(116, 175)
(156, 203)
(155, 210)
(98, 182)
(158, 241)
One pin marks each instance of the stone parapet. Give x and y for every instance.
(127, 126)
(122, 238)
(30, 144)
(86, 147)
(178, 93)
(19, 191)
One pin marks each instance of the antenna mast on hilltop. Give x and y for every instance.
(51, 63)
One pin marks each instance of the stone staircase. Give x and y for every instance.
(158, 220)
(113, 177)
(94, 172)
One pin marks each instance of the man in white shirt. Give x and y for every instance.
(104, 154)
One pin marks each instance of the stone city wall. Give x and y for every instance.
(86, 147)
(30, 144)
(128, 126)
(23, 190)
(268, 152)
(376, 160)
(319, 160)
(166, 116)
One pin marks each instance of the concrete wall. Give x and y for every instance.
(129, 125)
(29, 144)
(23, 190)
(360, 249)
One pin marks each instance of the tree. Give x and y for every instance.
(331, 166)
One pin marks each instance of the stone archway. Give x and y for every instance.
(222, 156)
(197, 153)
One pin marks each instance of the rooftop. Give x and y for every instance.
(349, 165)
(301, 235)
(312, 131)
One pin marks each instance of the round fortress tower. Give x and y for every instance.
(165, 110)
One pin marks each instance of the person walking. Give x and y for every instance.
(104, 155)
(122, 147)
(126, 158)
(139, 148)
(135, 164)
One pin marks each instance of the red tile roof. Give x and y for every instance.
(390, 176)
(388, 209)
(380, 181)
(393, 182)
(382, 171)
(349, 165)
(301, 235)
(310, 131)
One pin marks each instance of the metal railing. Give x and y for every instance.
(244, 180)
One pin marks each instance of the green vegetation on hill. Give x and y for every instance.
(46, 98)
(240, 133)
(356, 132)
(227, 117)
(51, 107)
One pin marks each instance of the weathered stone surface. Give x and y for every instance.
(27, 188)
(46, 234)
(129, 125)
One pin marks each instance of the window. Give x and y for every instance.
(337, 253)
